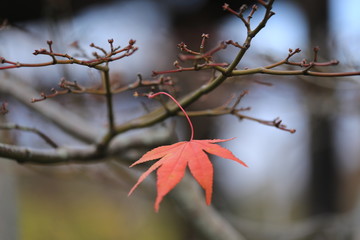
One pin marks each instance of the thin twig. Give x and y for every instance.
(184, 57)
(304, 72)
(75, 88)
(94, 63)
(195, 68)
(234, 110)
(109, 103)
(66, 120)
(47, 139)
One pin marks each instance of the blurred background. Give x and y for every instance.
(298, 186)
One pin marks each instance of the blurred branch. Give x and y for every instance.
(323, 226)
(345, 225)
(45, 156)
(67, 120)
(206, 219)
(87, 154)
(11, 126)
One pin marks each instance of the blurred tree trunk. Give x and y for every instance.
(8, 199)
(8, 202)
(321, 104)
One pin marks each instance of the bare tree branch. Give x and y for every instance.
(67, 59)
(10, 126)
(67, 120)
(87, 154)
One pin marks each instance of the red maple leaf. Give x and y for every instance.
(174, 159)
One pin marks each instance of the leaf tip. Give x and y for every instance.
(208, 198)
(131, 191)
(156, 208)
(157, 204)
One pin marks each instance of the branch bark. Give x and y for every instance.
(88, 154)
